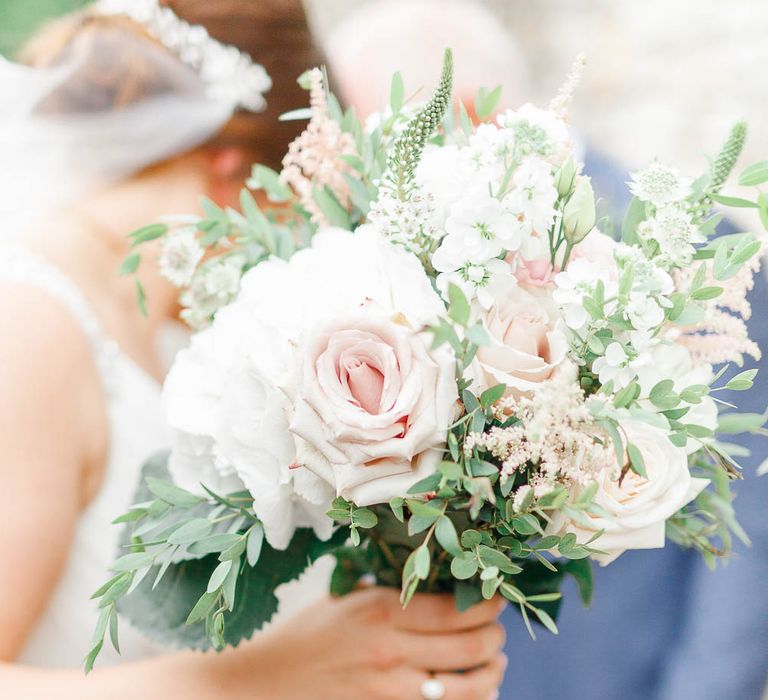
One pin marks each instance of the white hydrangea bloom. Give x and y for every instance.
(491, 148)
(659, 184)
(179, 256)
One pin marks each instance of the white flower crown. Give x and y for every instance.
(229, 74)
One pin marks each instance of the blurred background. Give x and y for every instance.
(673, 75)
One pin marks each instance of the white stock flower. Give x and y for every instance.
(634, 511)
(643, 311)
(573, 283)
(478, 228)
(483, 281)
(446, 175)
(179, 255)
(659, 184)
(614, 367)
(490, 148)
(533, 194)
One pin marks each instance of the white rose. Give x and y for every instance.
(673, 361)
(636, 510)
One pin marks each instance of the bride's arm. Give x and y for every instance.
(359, 646)
(52, 436)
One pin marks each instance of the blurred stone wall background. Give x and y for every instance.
(664, 78)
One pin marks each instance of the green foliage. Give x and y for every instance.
(196, 571)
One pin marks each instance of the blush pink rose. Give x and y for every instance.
(528, 342)
(372, 408)
(597, 247)
(535, 273)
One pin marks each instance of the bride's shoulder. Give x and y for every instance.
(46, 359)
(51, 399)
(38, 331)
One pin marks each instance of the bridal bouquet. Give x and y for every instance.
(422, 353)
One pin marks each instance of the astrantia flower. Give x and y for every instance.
(533, 194)
(659, 185)
(214, 285)
(179, 256)
(672, 228)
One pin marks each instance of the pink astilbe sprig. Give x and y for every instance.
(722, 336)
(556, 437)
(313, 159)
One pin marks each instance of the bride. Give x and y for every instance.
(126, 114)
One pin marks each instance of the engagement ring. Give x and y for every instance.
(432, 689)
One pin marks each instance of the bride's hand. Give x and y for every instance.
(365, 645)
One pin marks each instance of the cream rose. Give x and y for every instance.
(372, 407)
(636, 510)
(527, 345)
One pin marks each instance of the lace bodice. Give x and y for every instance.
(62, 635)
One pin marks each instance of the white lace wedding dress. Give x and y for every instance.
(61, 637)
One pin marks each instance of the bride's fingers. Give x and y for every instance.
(438, 613)
(481, 684)
(453, 652)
